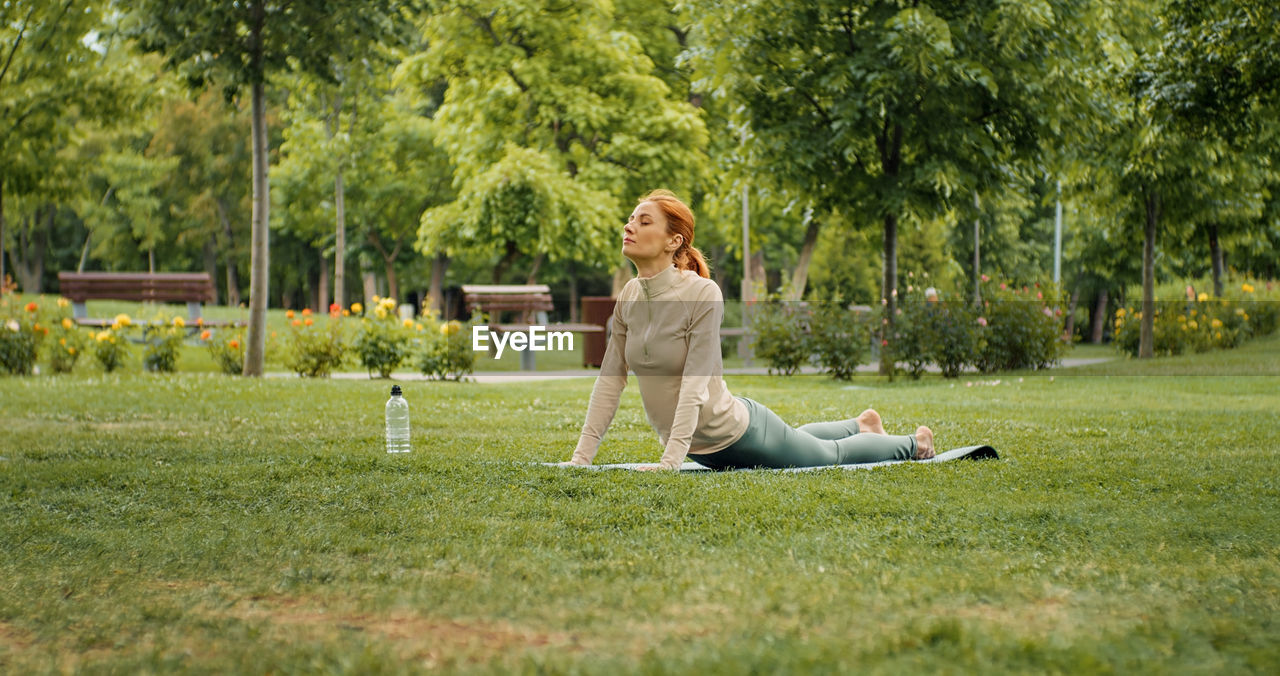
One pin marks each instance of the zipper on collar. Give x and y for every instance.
(644, 342)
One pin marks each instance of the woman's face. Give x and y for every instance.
(645, 235)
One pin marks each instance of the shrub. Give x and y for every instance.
(912, 342)
(839, 337)
(111, 347)
(1022, 328)
(20, 335)
(163, 340)
(315, 348)
(382, 341)
(780, 334)
(446, 352)
(227, 351)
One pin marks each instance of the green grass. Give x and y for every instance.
(204, 523)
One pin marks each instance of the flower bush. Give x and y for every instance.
(227, 350)
(780, 334)
(20, 336)
(111, 345)
(383, 342)
(1013, 328)
(315, 348)
(1201, 324)
(445, 352)
(163, 339)
(840, 337)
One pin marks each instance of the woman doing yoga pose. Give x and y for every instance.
(666, 329)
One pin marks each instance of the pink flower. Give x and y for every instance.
(982, 321)
(1003, 286)
(884, 342)
(986, 278)
(1039, 296)
(1047, 311)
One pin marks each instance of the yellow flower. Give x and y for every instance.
(1193, 324)
(408, 323)
(1182, 318)
(1202, 297)
(116, 326)
(357, 308)
(346, 313)
(1120, 312)
(1217, 323)
(377, 298)
(63, 302)
(179, 322)
(1247, 288)
(102, 335)
(71, 350)
(1218, 335)
(418, 327)
(380, 312)
(62, 341)
(67, 323)
(1184, 327)
(1193, 313)
(1245, 316)
(123, 319)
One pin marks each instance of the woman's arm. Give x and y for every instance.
(701, 364)
(605, 394)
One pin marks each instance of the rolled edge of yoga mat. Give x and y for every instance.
(980, 452)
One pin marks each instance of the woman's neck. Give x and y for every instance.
(649, 268)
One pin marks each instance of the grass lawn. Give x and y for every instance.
(204, 523)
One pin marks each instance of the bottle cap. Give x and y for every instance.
(395, 390)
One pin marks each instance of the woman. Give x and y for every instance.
(666, 328)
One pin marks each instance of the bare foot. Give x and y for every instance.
(924, 443)
(869, 421)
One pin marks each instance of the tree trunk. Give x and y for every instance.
(800, 276)
(211, 263)
(2, 275)
(256, 340)
(322, 289)
(393, 285)
(889, 291)
(229, 255)
(573, 293)
(1099, 323)
(1215, 254)
(1146, 339)
(977, 251)
(533, 271)
(1071, 313)
(435, 294)
(340, 238)
(27, 258)
(369, 281)
(507, 258)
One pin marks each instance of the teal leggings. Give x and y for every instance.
(770, 442)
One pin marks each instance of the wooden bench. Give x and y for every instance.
(192, 288)
(529, 303)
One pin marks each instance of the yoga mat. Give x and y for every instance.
(962, 453)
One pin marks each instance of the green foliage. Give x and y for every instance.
(446, 352)
(382, 341)
(315, 347)
(780, 334)
(840, 336)
(542, 119)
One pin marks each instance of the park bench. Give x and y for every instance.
(192, 288)
(528, 303)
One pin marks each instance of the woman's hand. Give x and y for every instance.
(651, 468)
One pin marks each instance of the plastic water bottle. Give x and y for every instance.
(397, 422)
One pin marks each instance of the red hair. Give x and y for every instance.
(680, 222)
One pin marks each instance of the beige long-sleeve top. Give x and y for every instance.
(666, 328)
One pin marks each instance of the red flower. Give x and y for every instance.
(334, 308)
(884, 342)
(32, 307)
(233, 344)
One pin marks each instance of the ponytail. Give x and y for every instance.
(690, 258)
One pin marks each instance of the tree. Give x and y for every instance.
(239, 45)
(54, 74)
(551, 114)
(892, 110)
